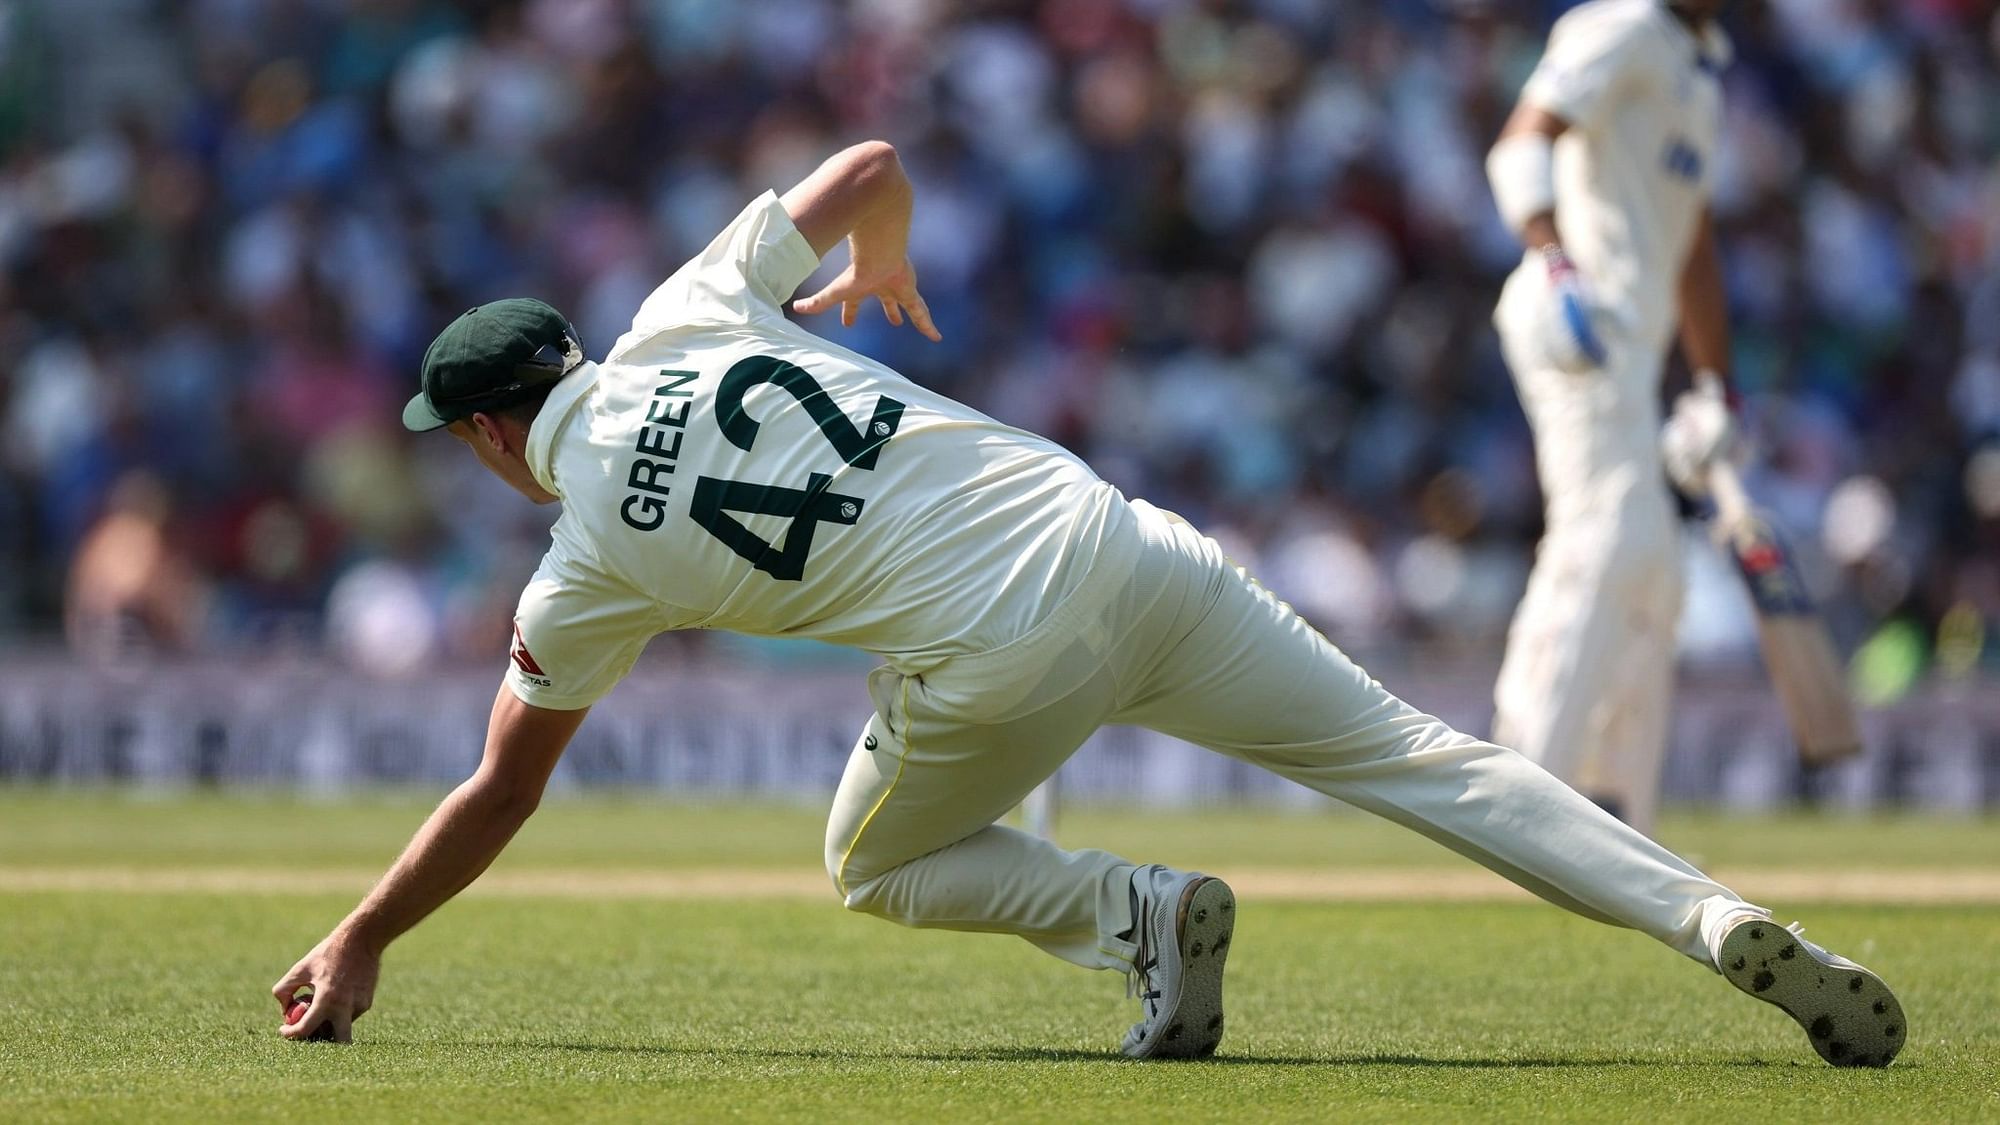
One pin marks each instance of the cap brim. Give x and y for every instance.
(418, 416)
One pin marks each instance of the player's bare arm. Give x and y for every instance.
(862, 194)
(1703, 304)
(458, 842)
(1703, 426)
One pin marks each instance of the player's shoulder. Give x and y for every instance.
(691, 343)
(743, 276)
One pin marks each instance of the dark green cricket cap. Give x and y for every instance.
(491, 357)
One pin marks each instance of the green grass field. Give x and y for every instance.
(153, 1006)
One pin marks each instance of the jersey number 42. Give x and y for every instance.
(806, 507)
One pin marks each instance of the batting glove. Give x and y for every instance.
(1575, 333)
(1701, 431)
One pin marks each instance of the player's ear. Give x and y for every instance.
(486, 429)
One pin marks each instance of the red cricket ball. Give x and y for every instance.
(323, 1033)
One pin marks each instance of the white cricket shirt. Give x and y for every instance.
(723, 468)
(1643, 98)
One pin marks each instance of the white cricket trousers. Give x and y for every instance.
(1587, 682)
(1194, 648)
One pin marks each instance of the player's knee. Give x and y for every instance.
(853, 885)
(836, 867)
(863, 896)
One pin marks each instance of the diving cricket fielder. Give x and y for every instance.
(1603, 170)
(723, 468)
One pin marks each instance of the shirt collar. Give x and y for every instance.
(556, 409)
(1712, 48)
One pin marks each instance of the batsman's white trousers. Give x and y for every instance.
(1192, 647)
(1587, 682)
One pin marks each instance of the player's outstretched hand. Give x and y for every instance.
(895, 285)
(342, 977)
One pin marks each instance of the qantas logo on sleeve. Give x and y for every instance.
(525, 661)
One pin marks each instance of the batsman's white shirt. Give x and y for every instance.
(724, 468)
(1643, 99)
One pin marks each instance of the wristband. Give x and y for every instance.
(1521, 168)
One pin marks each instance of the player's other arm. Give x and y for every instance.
(1703, 425)
(458, 842)
(1704, 305)
(862, 194)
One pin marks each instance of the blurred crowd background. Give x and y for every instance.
(1239, 254)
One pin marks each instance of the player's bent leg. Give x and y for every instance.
(912, 837)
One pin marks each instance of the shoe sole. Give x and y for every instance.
(1206, 922)
(1850, 1016)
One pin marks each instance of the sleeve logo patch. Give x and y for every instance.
(1682, 160)
(525, 661)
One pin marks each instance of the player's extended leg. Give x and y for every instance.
(1239, 672)
(1247, 677)
(912, 836)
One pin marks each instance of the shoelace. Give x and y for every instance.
(1798, 930)
(1139, 982)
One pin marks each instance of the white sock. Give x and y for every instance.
(1718, 916)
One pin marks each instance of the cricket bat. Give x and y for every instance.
(1797, 650)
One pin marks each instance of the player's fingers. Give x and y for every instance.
(289, 984)
(892, 310)
(836, 291)
(920, 316)
(847, 309)
(343, 1027)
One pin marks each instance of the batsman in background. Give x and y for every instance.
(1603, 170)
(724, 468)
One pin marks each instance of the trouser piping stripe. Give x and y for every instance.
(902, 760)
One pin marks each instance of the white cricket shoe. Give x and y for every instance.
(1850, 1016)
(1182, 922)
